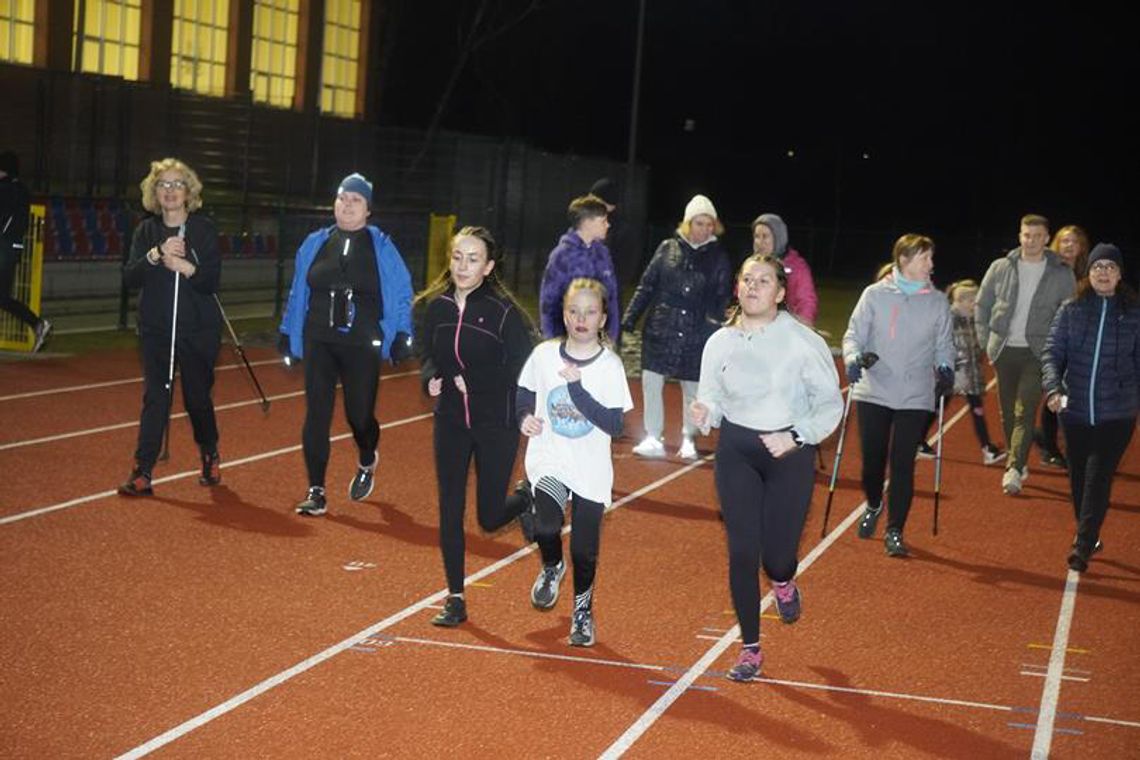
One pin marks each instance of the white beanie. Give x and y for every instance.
(700, 204)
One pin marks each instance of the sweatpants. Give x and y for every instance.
(1019, 391)
(883, 430)
(652, 395)
(1094, 453)
(550, 497)
(764, 502)
(357, 367)
(493, 450)
(195, 354)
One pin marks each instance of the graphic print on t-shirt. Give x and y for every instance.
(565, 418)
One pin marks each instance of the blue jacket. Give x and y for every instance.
(1092, 354)
(395, 290)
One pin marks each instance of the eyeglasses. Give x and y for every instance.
(1104, 266)
(170, 184)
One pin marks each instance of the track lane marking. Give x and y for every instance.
(357, 639)
(193, 473)
(1051, 693)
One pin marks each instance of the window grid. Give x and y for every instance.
(109, 43)
(340, 57)
(17, 30)
(198, 45)
(273, 58)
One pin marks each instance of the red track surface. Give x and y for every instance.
(219, 624)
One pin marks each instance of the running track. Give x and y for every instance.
(216, 623)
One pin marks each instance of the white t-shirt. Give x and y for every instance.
(1029, 276)
(570, 448)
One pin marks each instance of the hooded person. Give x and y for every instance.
(770, 236)
(684, 291)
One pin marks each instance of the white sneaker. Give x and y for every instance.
(687, 450)
(650, 447)
(1011, 481)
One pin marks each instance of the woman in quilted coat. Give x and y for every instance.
(685, 290)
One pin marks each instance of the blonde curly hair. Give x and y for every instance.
(193, 185)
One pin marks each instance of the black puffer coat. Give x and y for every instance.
(686, 291)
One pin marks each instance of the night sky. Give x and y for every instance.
(955, 119)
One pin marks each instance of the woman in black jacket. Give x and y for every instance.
(686, 289)
(472, 342)
(1091, 380)
(175, 244)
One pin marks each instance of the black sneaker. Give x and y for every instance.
(138, 484)
(524, 503)
(870, 519)
(453, 613)
(582, 628)
(314, 503)
(1078, 560)
(925, 451)
(211, 470)
(893, 543)
(1054, 459)
(362, 485)
(43, 330)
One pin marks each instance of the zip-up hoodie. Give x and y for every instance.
(487, 342)
(1092, 354)
(912, 336)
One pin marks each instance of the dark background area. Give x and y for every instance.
(948, 119)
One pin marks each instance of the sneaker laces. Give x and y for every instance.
(786, 592)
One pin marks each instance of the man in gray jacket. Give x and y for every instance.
(1018, 298)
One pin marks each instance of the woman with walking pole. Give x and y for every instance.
(174, 260)
(905, 322)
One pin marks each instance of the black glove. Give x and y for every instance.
(401, 348)
(944, 382)
(862, 362)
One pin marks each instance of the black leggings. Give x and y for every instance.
(494, 452)
(1094, 454)
(876, 425)
(357, 367)
(585, 536)
(196, 354)
(9, 260)
(765, 503)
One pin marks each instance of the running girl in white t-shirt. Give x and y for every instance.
(572, 395)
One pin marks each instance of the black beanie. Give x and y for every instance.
(608, 190)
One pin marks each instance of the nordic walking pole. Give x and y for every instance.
(866, 361)
(170, 374)
(835, 465)
(938, 460)
(241, 353)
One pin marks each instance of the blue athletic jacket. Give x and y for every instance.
(1093, 355)
(395, 290)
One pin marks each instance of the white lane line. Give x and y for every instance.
(112, 383)
(863, 692)
(356, 639)
(179, 415)
(193, 473)
(658, 708)
(1047, 715)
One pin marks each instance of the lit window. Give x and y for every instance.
(17, 22)
(198, 45)
(106, 39)
(273, 59)
(341, 57)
